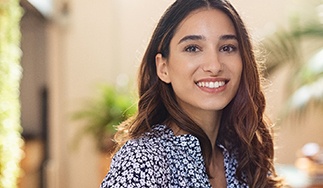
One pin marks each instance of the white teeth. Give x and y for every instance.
(211, 84)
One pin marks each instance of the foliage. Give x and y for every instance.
(10, 74)
(300, 48)
(104, 113)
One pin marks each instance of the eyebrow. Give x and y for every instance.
(191, 37)
(201, 37)
(229, 37)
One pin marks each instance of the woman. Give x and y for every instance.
(200, 116)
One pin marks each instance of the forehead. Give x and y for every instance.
(206, 21)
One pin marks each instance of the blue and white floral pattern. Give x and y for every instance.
(161, 159)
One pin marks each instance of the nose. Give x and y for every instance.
(212, 64)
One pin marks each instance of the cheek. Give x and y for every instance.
(180, 67)
(239, 71)
(236, 73)
(237, 68)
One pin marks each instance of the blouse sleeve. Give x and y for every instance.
(137, 164)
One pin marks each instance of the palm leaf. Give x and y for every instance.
(286, 47)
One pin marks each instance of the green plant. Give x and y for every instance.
(300, 47)
(103, 113)
(10, 74)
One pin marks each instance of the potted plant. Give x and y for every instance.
(103, 113)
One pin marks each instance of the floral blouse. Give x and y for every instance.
(161, 159)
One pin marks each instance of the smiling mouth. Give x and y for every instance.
(211, 85)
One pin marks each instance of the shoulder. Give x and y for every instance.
(140, 162)
(143, 151)
(150, 145)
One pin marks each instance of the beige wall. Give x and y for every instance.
(96, 42)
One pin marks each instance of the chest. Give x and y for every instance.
(217, 172)
(185, 170)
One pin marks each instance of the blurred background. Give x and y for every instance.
(80, 57)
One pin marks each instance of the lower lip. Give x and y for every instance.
(213, 90)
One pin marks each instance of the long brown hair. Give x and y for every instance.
(243, 128)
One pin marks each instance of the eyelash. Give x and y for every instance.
(192, 48)
(226, 48)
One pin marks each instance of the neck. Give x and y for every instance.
(209, 123)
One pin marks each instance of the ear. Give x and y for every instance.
(162, 68)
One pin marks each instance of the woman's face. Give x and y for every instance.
(204, 66)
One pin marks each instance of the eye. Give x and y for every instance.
(228, 48)
(192, 48)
